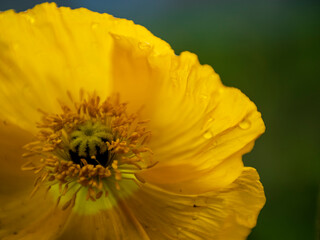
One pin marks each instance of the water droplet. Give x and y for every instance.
(94, 25)
(245, 124)
(208, 123)
(207, 135)
(117, 37)
(144, 45)
(210, 120)
(221, 91)
(30, 19)
(204, 97)
(175, 64)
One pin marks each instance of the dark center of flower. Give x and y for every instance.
(93, 144)
(89, 142)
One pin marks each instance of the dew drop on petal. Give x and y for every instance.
(221, 91)
(175, 64)
(94, 25)
(245, 124)
(207, 135)
(144, 45)
(204, 97)
(117, 37)
(208, 123)
(30, 19)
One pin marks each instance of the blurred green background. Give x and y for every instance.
(271, 51)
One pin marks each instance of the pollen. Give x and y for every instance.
(89, 144)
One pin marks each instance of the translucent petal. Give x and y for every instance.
(47, 51)
(229, 213)
(200, 130)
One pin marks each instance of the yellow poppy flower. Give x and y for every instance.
(122, 138)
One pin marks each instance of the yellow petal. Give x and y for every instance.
(20, 216)
(187, 178)
(12, 179)
(229, 213)
(113, 224)
(29, 219)
(139, 66)
(47, 51)
(190, 110)
(200, 130)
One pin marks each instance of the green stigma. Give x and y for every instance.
(90, 138)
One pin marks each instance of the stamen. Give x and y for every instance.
(90, 144)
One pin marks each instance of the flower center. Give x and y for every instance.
(93, 145)
(89, 142)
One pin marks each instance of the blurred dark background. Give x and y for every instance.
(271, 51)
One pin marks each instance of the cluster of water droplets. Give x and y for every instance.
(209, 135)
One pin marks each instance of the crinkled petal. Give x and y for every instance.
(116, 223)
(20, 215)
(194, 118)
(200, 129)
(31, 218)
(47, 51)
(229, 213)
(140, 65)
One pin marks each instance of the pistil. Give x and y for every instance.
(91, 143)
